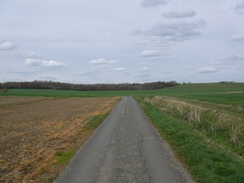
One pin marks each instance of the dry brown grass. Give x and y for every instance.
(32, 129)
(207, 117)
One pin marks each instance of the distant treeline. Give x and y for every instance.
(87, 87)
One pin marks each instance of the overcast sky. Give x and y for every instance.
(118, 41)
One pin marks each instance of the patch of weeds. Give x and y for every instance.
(64, 157)
(93, 122)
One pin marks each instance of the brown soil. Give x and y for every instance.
(32, 129)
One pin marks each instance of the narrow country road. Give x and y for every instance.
(125, 149)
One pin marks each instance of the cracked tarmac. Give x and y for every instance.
(125, 149)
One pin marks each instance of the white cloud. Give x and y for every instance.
(233, 57)
(145, 68)
(44, 63)
(33, 61)
(230, 59)
(119, 69)
(157, 54)
(166, 34)
(102, 61)
(207, 70)
(7, 46)
(240, 8)
(82, 72)
(180, 14)
(153, 3)
(167, 56)
(52, 63)
(238, 37)
(150, 53)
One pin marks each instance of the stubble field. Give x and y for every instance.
(33, 130)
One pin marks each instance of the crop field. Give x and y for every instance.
(36, 131)
(222, 93)
(183, 90)
(235, 99)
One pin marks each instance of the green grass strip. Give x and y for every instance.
(93, 122)
(207, 162)
(64, 157)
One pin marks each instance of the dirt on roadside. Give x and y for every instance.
(32, 129)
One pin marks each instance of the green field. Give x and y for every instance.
(230, 94)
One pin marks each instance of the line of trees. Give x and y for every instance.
(87, 87)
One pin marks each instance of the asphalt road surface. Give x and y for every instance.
(126, 148)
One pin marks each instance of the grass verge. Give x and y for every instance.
(94, 122)
(207, 162)
(222, 123)
(65, 157)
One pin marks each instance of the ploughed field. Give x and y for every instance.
(33, 129)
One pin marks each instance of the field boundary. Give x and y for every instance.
(214, 121)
